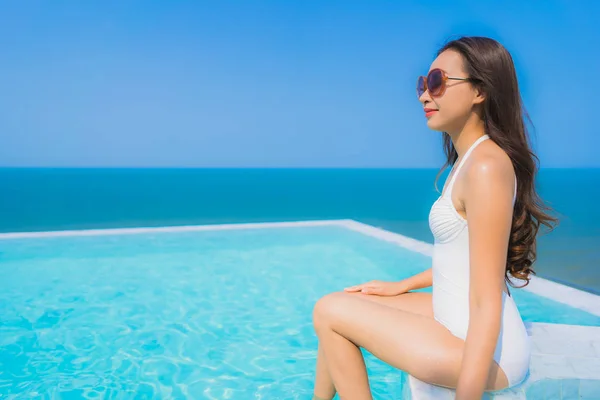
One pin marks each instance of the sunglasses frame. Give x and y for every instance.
(443, 86)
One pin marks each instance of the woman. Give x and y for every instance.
(467, 334)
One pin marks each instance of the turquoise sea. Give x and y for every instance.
(395, 199)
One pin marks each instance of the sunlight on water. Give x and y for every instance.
(189, 315)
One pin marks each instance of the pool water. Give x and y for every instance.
(208, 314)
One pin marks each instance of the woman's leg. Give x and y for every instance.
(411, 342)
(417, 302)
(324, 388)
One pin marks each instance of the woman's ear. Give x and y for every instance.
(480, 95)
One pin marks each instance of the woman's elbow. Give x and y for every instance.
(486, 306)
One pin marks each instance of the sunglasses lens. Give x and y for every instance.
(435, 82)
(420, 86)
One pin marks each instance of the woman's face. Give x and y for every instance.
(450, 111)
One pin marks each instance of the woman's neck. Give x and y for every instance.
(464, 138)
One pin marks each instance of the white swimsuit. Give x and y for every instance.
(451, 285)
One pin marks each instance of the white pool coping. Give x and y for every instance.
(580, 299)
(542, 287)
(559, 352)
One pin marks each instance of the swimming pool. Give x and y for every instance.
(198, 313)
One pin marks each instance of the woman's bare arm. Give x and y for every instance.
(489, 207)
(418, 281)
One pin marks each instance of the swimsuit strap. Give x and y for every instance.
(467, 154)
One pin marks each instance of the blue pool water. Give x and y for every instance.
(213, 314)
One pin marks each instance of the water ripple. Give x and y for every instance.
(185, 316)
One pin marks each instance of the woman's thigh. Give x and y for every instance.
(413, 342)
(415, 302)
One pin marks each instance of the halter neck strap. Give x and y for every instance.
(462, 161)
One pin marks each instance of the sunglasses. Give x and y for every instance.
(435, 83)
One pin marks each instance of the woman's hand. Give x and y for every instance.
(379, 288)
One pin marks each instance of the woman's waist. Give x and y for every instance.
(451, 307)
(449, 298)
(451, 262)
(450, 278)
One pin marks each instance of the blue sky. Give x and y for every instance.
(274, 84)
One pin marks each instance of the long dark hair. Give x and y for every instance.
(491, 69)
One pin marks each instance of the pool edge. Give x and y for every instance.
(568, 295)
(175, 228)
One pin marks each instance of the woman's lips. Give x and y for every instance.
(429, 112)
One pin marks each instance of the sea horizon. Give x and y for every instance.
(394, 198)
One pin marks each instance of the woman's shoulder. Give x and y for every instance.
(490, 164)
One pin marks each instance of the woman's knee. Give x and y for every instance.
(326, 309)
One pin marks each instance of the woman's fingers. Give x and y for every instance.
(374, 287)
(358, 288)
(371, 289)
(364, 288)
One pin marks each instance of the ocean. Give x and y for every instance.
(42, 199)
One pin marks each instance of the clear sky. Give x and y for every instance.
(274, 83)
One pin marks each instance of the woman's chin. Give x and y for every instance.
(431, 124)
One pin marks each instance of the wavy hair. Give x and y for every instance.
(491, 69)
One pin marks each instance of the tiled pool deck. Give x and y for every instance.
(563, 353)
